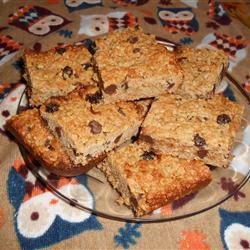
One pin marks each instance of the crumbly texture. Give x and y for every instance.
(147, 181)
(31, 131)
(57, 72)
(203, 70)
(88, 129)
(193, 129)
(131, 65)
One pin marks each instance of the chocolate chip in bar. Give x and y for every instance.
(89, 156)
(91, 45)
(51, 148)
(59, 131)
(52, 107)
(136, 50)
(202, 153)
(170, 85)
(86, 66)
(223, 119)
(47, 143)
(111, 89)
(95, 127)
(94, 98)
(120, 110)
(132, 39)
(67, 72)
(146, 138)
(181, 59)
(148, 155)
(28, 129)
(60, 50)
(199, 141)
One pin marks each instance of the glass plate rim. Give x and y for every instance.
(93, 211)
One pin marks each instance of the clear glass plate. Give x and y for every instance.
(92, 193)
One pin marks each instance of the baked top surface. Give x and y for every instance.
(59, 68)
(147, 173)
(121, 48)
(178, 121)
(132, 54)
(203, 58)
(203, 68)
(87, 124)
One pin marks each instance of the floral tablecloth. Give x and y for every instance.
(31, 217)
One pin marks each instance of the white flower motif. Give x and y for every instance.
(237, 236)
(36, 215)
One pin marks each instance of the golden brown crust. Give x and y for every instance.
(147, 181)
(32, 133)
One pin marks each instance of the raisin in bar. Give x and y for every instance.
(147, 181)
(203, 71)
(57, 72)
(31, 131)
(193, 129)
(131, 65)
(88, 128)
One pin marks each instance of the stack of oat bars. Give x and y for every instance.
(87, 103)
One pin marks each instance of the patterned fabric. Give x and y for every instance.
(74, 5)
(229, 45)
(39, 214)
(177, 20)
(33, 217)
(8, 48)
(37, 20)
(235, 229)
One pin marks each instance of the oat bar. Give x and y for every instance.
(131, 65)
(193, 129)
(88, 128)
(57, 72)
(147, 181)
(203, 70)
(31, 131)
